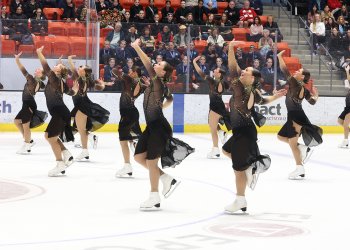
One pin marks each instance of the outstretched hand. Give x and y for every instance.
(146, 80)
(18, 55)
(136, 43)
(279, 93)
(314, 91)
(347, 68)
(40, 50)
(281, 53)
(196, 59)
(234, 43)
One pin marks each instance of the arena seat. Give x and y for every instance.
(57, 28)
(263, 19)
(27, 49)
(246, 46)
(104, 32)
(159, 4)
(50, 12)
(222, 6)
(78, 46)
(47, 51)
(60, 46)
(292, 63)
(240, 34)
(102, 73)
(175, 4)
(200, 45)
(144, 3)
(127, 4)
(8, 47)
(78, 3)
(284, 46)
(75, 29)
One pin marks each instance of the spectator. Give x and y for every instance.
(122, 53)
(127, 19)
(343, 12)
(169, 20)
(181, 12)
(335, 45)
(183, 69)
(240, 4)
(108, 76)
(5, 22)
(102, 5)
(318, 30)
(141, 20)
(224, 54)
(14, 5)
(82, 11)
(106, 53)
(148, 41)
(246, 15)
(326, 13)
(211, 6)
(182, 38)
(210, 54)
(252, 55)
(218, 65)
(209, 25)
(345, 60)
(256, 30)
(241, 58)
(257, 6)
(172, 56)
(215, 38)
(267, 78)
(115, 36)
(159, 58)
(19, 23)
(198, 13)
(135, 9)
(330, 24)
(319, 4)
(30, 7)
(206, 70)
(256, 64)
(193, 52)
(151, 11)
(342, 26)
(128, 67)
(160, 51)
(265, 43)
(273, 28)
(165, 35)
(166, 10)
(156, 26)
(68, 10)
(116, 6)
(225, 27)
(39, 23)
(132, 35)
(346, 40)
(48, 4)
(232, 12)
(312, 13)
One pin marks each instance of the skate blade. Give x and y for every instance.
(239, 212)
(150, 209)
(172, 189)
(125, 176)
(308, 156)
(297, 178)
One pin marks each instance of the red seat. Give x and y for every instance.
(127, 4)
(26, 49)
(240, 34)
(78, 2)
(246, 46)
(8, 47)
(50, 12)
(78, 46)
(200, 45)
(263, 19)
(175, 4)
(102, 73)
(104, 32)
(284, 46)
(47, 51)
(61, 46)
(292, 63)
(76, 30)
(222, 6)
(159, 4)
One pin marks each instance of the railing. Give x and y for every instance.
(289, 15)
(301, 31)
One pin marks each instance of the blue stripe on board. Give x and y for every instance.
(178, 113)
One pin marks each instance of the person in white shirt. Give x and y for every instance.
(216, 38)
(318, 30)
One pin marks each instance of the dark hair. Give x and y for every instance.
(168, 71)
(137, 70)
(257, 75)
(257, 17)
(306, 75)
(223, 73)
(64, 72)
(41, 83)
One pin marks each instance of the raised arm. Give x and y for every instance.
(43, 61)
(259, 99)
(312, 96)
(20, 66)
(283, 65)
(72, 67)
(233, 66)
(144, 58)
(199, 71)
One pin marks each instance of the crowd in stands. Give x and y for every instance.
(167, 33)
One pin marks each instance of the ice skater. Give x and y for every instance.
(59, 127)
(88, 116)
(344, 117)
(217, 108)
(242, 147)
(297, 122)
(129, 127)
(156, 141)
(29, 117)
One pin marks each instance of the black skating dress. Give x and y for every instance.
(157, 138)
(129, 126)
(96, 115)
(347, 107)
(311, 134)
(29, 112)
(243, 143)
(59, 124)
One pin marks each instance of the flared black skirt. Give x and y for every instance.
(311, 134)
(29, 113)
(59, 124)
(219, 108)
(129, 126)
(244, 150)
(96, 115)
(158, 142)
(344, 113)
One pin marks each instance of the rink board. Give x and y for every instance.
(189, 113)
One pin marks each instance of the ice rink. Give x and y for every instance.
(89, 209)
